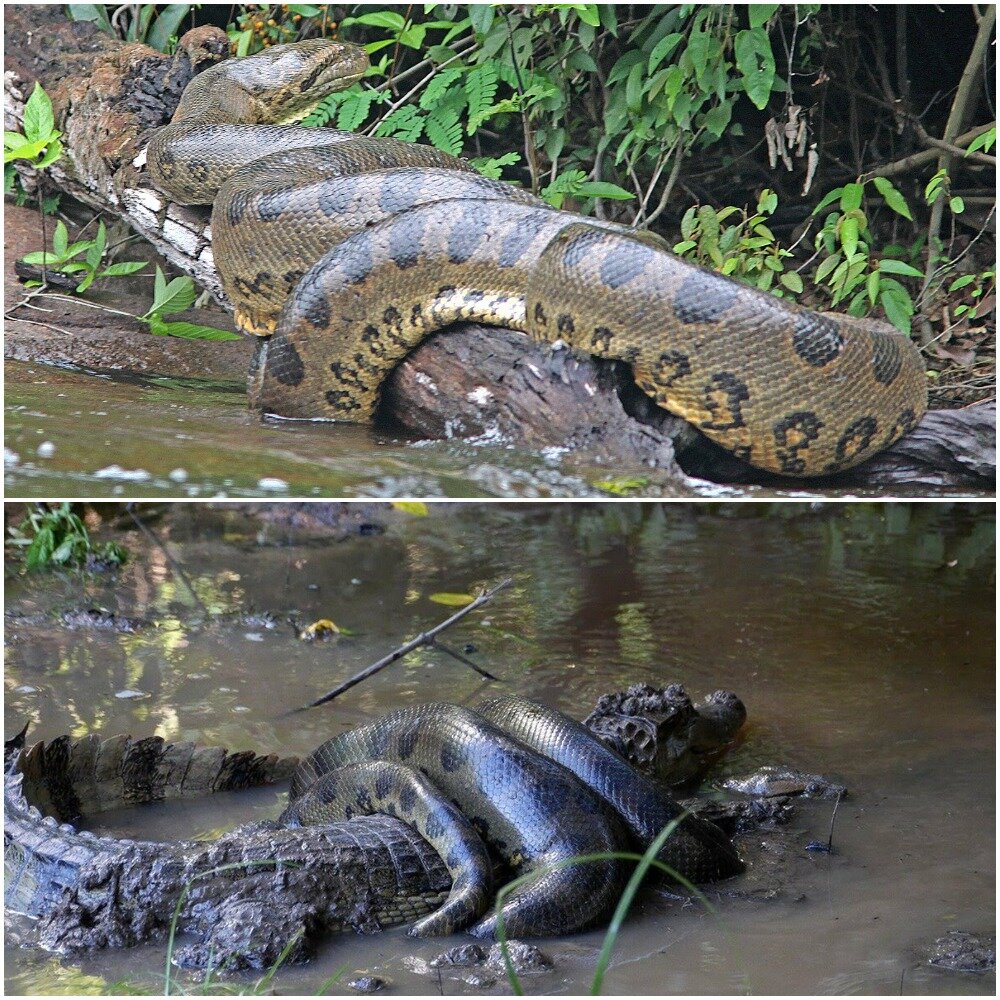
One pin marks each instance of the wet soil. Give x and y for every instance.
(860, 637)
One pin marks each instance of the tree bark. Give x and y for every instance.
(493, 386)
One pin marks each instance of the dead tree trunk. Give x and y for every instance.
(490, 385)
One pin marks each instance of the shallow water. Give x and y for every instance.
(117, 435)
(861, 638)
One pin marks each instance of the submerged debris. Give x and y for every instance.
(962, 951)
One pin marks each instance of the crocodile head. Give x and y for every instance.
(662, 732)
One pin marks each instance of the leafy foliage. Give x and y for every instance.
(173, 297)
(137, 22)
(54, 538)
(64, 258)
(39, 143)
(745, 249)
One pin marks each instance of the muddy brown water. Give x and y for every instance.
(861, 638)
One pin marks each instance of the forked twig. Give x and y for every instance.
(428, 638)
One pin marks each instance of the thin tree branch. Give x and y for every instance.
(424, 639)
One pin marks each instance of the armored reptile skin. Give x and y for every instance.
(533, 784)
(388, 259)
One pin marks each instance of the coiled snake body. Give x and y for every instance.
(352, 250)
(536, 786)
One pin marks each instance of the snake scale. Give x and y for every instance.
(349, 251)
(534, 785)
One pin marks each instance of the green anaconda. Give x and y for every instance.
(381, 820)
(352, 250)
(537, 786)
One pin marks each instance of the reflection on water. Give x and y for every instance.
(859, 636)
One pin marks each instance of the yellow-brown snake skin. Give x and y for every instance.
(351, 250)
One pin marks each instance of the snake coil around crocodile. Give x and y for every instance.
(348, 251)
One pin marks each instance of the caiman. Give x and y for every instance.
(526, 787)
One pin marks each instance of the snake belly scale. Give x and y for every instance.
(351, 250)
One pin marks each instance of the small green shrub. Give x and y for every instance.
(56, 537)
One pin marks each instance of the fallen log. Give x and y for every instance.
(489, 385)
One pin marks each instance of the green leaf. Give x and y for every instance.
(354, 110)
(445, 130)
(121, 268)
(480, 90)
(986, 141)
(90, 12)
(96, 249)
(481, 16)
(828, 265)
(174, 297)
(892, 196)
(957, 205)
(602, 189)
(451, 600)
(850, 197)
(889, 266)
(167, 24)
(189, 331)
(849, 235)
(378, 19)
(755, 61)
(60, 239)
(828, 199)
(717, 119)
(622, 486)
(761, 13)
(38, 120)
(490, 166)
(404, 123)
(896, 312)
(792, 281)
(53, 151)
(662, 49)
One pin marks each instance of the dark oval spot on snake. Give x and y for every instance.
(857, 438)
(704, 297)
(335, 197)
(284, 361)
(887, 359)
(565, 324)
(363, 799)
(355, 258)
(408, 740)
(310, 303)
(236, 209)
(379, 740)
(398, 194)
(519, 239)
(624, 260)
(578, 247)
(434, 826)
(382, 784)
(466, 234)
(552, 795)
(452, 757)
(407, 799)
(271, 205)
(817, 339)
(404, 240)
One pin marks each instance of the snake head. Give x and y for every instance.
(279, 85)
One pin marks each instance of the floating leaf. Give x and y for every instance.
(451, 600)
(415, 507)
